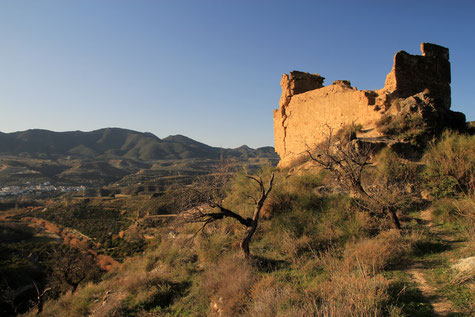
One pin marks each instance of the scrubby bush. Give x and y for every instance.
(460, 213)
(450, 166)
(241, 190)
(305, 217)
(352, 294)
(168, 253)
(409, 127)
(335, 282)
(393, 169)
(296, 192)
(145, 291)
(227, 284)
(349, 131)
(341, 220)
(211, 247)
(445, 210)
(268, 297)
(386, 249)
(353, 284)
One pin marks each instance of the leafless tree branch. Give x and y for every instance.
(348, 160)
(211, 192)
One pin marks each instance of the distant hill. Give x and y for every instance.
(114, 155)
(117, 143)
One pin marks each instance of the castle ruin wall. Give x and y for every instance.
(307, 109)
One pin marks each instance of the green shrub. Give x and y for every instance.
(349, 131)
(211, 247)
(460, 213)
(167, 253)
(242, 190)
(295, 192)
(450, 166)
(444, 210)
(334, 221)
(146, 291)
(341, 221)
(410, 127)
(295, 205)
(391, 167)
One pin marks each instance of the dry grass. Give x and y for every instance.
(227, 284)
(352, 294)
(346, 282)
(267, 297)
(388, 248)
(353, 286)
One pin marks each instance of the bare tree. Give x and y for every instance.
(71, 268)
(348, 161)
(39, 299)
(210, 191)
(14, 298)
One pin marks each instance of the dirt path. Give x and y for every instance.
(441, 305)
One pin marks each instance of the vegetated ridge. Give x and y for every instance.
(108, 155)
(116, 143)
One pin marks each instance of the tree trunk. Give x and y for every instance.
(395, 219)
(255, 218)
(245, 242)
(252, 229)
(74, 287)
(390, 210)
(40, 307)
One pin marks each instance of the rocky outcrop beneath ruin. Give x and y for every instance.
(416, 91)
(418, 118)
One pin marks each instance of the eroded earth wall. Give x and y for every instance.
(307, 109)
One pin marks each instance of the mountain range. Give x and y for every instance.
(117, 143)
(117, 155)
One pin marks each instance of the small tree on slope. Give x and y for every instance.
(348, 161)
(211, 191)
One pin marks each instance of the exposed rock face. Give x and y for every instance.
(307, 109)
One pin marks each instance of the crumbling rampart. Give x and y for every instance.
(307, 108)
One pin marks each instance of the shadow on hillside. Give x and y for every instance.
(422, 248)
(268, 265)
(167, 295)
(412, 302)
(410, 299)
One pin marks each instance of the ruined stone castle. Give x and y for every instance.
(307, 108)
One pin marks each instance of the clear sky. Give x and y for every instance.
(207, 69)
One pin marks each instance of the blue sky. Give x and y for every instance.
(207, 69)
